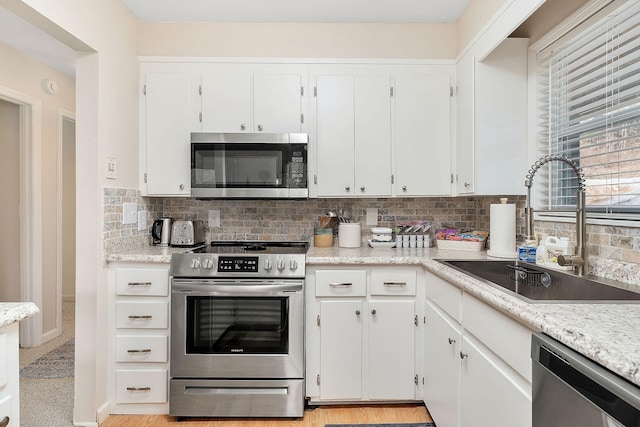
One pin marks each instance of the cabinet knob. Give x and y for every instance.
(362, 188)
(242, 126)
(467, 185)
(463, 355)
(260, 127)
(452, 341)
(348, 188)
(182, 186)
(357, 312)
(373, 311)
(404, 188)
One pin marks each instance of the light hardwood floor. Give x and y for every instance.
(313, 417)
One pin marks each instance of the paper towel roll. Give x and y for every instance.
(502, 230)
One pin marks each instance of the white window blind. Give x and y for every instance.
(590, 113)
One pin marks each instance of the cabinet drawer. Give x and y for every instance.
(335, 283)
(131, 348)
(142, 281)
(446, 296)
(149, 315)
(141, 386)
(393, 282)
(507, 338)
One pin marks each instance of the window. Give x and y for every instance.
(590, 112)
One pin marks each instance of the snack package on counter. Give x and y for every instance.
(468, 236)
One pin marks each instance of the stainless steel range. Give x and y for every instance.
(237, 330)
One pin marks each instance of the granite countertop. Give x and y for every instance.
(606, 333)
(157, 254)
(11, 312)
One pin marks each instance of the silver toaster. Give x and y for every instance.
(187, 233)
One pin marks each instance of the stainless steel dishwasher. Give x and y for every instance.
(572, 390)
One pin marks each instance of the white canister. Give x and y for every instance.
(349, 235)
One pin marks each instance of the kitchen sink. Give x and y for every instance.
(537, 284)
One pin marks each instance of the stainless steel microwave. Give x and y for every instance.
(249, 166)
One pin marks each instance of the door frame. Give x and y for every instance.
(63, 115)
(30, 209)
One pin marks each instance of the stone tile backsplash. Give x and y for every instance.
(614, 252)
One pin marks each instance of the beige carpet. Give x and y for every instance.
(48, 402)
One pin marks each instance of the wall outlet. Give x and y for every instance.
(214, 218)
(372, 216)
(142, 220)
(129, 213)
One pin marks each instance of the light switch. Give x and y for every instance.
(372, 216)
(214, 218)
(110, 166)
(129, 213)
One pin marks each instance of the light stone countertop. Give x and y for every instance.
(157, 254)
(11, 312)
(606, 333)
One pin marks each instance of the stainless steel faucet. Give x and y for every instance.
(579, 260)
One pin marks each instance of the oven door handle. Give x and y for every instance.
(236, 288)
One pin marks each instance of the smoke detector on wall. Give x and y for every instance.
(49, 87)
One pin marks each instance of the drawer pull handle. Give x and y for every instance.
(5, 422)
(140, 283)
(452, 341)
(144, 350)
(340, 285)
(395, 283)
(138, 388)
(145, 317)
(463, 355)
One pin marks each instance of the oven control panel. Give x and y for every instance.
(237, 264)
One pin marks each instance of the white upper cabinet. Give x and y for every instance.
(353, 119)
(165, 139)
(423, 135)
(226, 103)
(492, 120)
(246, 98)
(382, 131)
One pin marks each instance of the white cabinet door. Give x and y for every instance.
(423, 135)
(489, 397)
(372, 136)
(226, 102)
(277, 103)
(465, 143)
(443, 339)
(168, 151)
(340, 350)
(335, 124)
(391, 368)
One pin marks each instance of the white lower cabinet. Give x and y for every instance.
(139, 338)
(362, 334)
(9, 376)
(476, 361)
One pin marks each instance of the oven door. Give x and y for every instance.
(236, 328)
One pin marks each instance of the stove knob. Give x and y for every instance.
(195, 263)
(267, 264)
(280, 264)
(293, 265)
(208, 263)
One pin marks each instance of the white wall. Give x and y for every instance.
(299, 40)
(10, 197)
(24, 74)
(107, 125)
